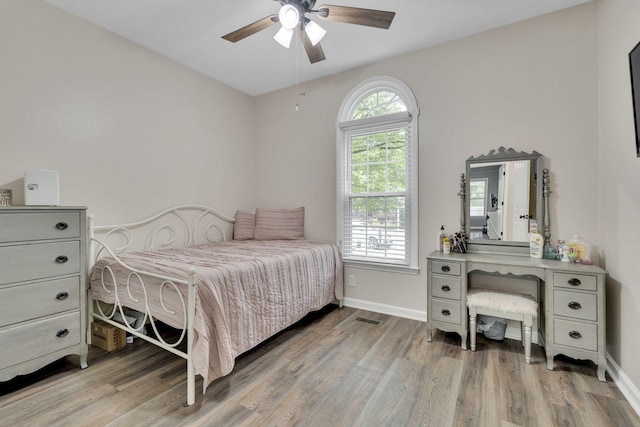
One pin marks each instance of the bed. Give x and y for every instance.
(225, 296)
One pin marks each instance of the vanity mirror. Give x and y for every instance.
(501, 193)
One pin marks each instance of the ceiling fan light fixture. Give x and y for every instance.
(284, 36)
(289, 16)
(292, 18)
(315, 32)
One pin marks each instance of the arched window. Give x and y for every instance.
(377, 175)
(377, 104)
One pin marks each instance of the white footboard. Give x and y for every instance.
(176, 227)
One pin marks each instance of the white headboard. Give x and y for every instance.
(179, 226)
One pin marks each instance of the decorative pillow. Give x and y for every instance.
(279, 224)
(244, 227)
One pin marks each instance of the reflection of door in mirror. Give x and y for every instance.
(500, 200)
(517, 211)
(499, 217)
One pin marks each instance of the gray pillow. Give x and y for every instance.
(244, 227)
(279, 224)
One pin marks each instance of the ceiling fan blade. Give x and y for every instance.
(315, 53)
(356, 15)
(251, 29)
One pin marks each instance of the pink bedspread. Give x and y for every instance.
(246, 291)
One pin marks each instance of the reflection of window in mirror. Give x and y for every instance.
(478, 197)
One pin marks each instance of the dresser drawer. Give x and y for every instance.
(38, 338)
(38, 261)
(578, 305)
(21, 303)
(450, 268)
(576, 334)
(446, 287)
(583, 282)
(18, 226)
(445, 311)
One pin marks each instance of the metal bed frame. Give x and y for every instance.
(179, 226)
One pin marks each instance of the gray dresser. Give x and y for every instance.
(447, 297)
(575, 313)
(572, 306)
(42, 287)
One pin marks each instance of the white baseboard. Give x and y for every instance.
(626, 387)
(386, 309)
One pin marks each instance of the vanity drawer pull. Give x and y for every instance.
(62, 296)
(446, 288)
(575, 335)
(62, 333)
(573, 305)
(61, 259)
(574, 282)
(446, 268)
(62, 226)
(446, 312)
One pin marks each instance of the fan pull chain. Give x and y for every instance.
(297, 104)
(300, 71)
(298, 55)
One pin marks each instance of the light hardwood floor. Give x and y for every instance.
(329, 370)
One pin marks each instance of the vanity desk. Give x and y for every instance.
(571, 305)
(501, 194)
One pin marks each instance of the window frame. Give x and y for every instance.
(345, 126)
(485, 202)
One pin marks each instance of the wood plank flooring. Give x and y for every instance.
(328, 370)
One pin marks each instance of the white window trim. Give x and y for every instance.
(486, 196)
(344, 124)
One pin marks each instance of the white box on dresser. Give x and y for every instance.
(42, 287)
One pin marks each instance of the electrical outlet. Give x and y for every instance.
(351, 280)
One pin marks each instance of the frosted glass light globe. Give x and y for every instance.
(289, 16)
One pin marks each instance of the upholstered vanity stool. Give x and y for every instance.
(522, 308)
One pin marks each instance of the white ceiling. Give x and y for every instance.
(190, 31)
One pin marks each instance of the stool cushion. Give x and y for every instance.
(506, 302)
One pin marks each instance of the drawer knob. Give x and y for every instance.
(62, 333)
(62, 296)
(575, 335)
(446, 288)
(62, 226)
(446, 268)
(446, 312)
(61, 259)
(573, 305)
(574, 282)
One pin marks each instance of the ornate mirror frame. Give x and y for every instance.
(541, 185)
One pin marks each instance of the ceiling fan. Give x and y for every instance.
(292, 17)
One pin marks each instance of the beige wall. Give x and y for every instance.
(619, 190)
(530, 86)
(119, 123)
